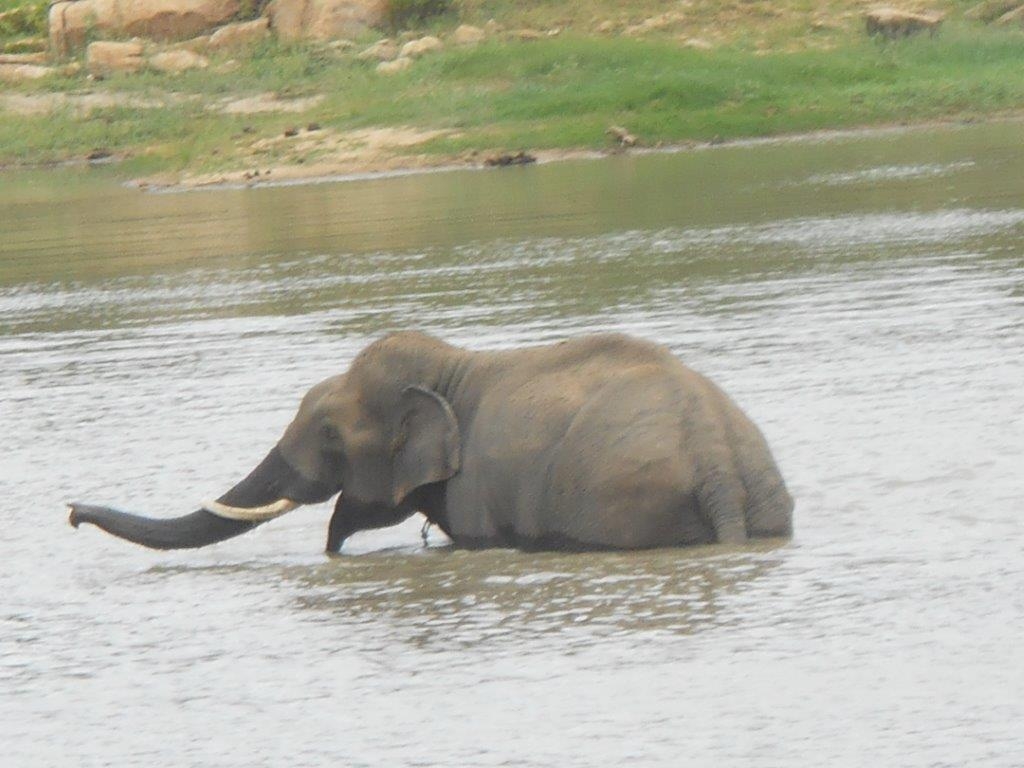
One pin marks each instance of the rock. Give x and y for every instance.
(72, 20)
(22, 58)
(1016, 16)
(653, 24)
(27, 45)
(382, 50)
(466, 34)
(824, 24)
(174, 62)
(20, 73)
(391, 67)
(103, 58)
(65, 33)
(241, 34)
(990, 10)
(621, 136)
(505, 159)
(893, 23)
(606, 27)
(697, 43)
(195, 44)
(424, 45)
(323, 19)
(527, 34)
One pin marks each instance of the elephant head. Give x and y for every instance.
(376, 434)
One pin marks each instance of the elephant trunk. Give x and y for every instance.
(271, 489)
(194, 530)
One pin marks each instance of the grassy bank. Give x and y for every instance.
(560, 92)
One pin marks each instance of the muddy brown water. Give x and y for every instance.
(862, 298)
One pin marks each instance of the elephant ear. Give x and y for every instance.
(429, 442)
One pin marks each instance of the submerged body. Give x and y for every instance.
(600, 442)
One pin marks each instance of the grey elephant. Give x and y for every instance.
(599, 442)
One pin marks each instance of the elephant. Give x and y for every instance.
(597, 442)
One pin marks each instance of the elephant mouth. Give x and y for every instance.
(270, 490)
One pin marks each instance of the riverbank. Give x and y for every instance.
(369, 165)
(314, 110)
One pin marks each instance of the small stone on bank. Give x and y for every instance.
(424, 45)
(392, 67)
(466, 35)
(506, 159)
(621, 136)
(382, 50)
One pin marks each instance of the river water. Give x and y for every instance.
(861, 297)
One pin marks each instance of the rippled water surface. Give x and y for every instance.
(863, 299)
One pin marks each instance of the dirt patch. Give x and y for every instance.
(82, 104)
(266, 102)
(310, 152)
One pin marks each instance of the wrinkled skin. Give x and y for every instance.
(601, 442)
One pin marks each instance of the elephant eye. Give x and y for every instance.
(330, 433)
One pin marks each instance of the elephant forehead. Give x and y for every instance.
(343, 407)
(314, 398)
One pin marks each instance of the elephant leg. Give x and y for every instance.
(769, 509)
(351, 516)
(723, 500)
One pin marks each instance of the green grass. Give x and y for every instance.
(21, 18)
(561, 92)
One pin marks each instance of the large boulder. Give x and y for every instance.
(324, 19)
(71, 20)
(175, 62)
(892, 22)
(104, 58)
(239, 35)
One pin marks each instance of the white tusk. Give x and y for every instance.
(251, 514)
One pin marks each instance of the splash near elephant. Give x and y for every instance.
(600, 442)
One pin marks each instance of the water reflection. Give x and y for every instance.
(494, 601)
